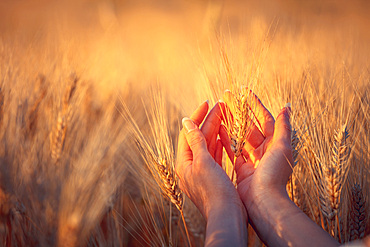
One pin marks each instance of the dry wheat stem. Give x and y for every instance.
(158, 154)
(33, 112)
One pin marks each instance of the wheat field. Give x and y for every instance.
(92, 94)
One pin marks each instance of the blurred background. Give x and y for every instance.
(115, 42)
(69, 171)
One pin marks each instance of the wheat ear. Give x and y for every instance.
(158, 153)
(238, 119)
(58, 136)
(163, 174)
(334, 177)
(338, 169)
(291, 184)
(358, 215)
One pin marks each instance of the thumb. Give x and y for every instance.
(283, 129)
(194, 137)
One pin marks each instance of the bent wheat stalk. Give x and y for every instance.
(158, 153)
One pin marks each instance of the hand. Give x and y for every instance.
(206, 183)
(199, 155)
(266, 161)
(262, 172)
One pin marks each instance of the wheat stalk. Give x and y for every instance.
(1, 106)
(158, 153)
(40, 91)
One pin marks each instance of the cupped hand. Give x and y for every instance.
(262, 171)
(198, 158)
(266, 161)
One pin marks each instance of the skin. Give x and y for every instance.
(262, 172)
(204, 181)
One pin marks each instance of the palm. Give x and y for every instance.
(198, 163)
(266, 156)
(267, 173)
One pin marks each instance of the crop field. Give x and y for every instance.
(92, 94)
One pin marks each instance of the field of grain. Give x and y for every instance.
(92, 94)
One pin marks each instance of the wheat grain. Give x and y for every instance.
(158, 154)
(166, 179)
(335, 173)
(358, 214)
(59, 134)
(239, 117)
(335, 177)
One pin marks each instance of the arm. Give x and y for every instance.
(279, 222)
(226, 226)
(262, 174)
(277, 219)
(205, 182)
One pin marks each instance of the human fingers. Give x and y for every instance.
(263, 116)
(283, 128)
(226, 143)
(184, 155)
(183, 150)
(225, 140)
(281, 144)
(211, 127)
(243, 169)
(194, 138)
(255, 137)
(197, 117)
(218, 152)
(200, 113)
(229, 107)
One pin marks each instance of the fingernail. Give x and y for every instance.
(188, 124)
(227, 90)
(207, 101)
(221, 101)
(289, 106)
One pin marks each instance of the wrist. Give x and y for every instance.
(280, 222)
(227, 225)
(263, 197)
(267, 207)
(229, 207)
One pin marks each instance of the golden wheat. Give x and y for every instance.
(102, 193)
(59, 134)
(358, 214)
